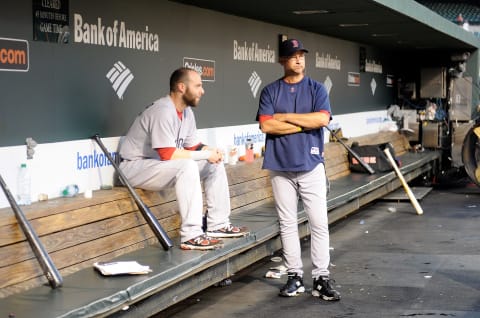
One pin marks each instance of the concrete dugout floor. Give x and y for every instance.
(386, 261)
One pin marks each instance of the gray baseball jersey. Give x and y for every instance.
(159, 126)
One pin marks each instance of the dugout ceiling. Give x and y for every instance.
(389, 24)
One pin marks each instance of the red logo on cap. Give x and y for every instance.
(295, 43)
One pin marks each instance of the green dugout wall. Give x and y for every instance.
(111, 59)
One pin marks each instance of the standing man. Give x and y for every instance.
(292, 112)
(161, 150)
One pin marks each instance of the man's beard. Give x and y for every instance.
(190, 100)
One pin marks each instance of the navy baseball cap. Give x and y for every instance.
(290, 46)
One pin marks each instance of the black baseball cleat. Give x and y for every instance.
(323, 289)
(293, 287)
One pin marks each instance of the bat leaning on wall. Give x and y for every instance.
(157, 229)
(409, 192)
(49, 269)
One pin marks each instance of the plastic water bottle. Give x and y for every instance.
(70, 191)
(24, 185)
(249, 156)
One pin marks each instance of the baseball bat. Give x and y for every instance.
(409, 192)
(46, 263)
(157, 229)
(353, 153)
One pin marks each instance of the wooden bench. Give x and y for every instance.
(78, 232)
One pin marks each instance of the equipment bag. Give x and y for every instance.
(372, 155)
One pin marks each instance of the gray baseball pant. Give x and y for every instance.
(310, 186)
(186, 176)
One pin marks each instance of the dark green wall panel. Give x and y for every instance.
(65, 95)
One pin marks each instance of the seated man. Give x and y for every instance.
(161, 150)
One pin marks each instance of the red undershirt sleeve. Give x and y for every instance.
(263, 118)
(166, 153)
